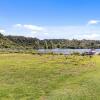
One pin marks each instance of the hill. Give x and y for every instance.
(5, 42)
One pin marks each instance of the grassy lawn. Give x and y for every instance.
(48, 77)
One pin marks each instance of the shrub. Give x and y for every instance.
(76, 53)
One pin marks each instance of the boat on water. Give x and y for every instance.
(91, 52)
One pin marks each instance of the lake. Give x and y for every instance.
(66, 51)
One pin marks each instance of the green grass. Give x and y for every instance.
(49, 77)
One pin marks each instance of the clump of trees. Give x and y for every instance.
(35, 43)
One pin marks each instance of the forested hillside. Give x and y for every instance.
(34, 43)
(6, 43)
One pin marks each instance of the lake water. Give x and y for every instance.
(66, 51)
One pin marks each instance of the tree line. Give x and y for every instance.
(35, 43)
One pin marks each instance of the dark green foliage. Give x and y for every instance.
(21, 42)
(1, 35)
(45, 45)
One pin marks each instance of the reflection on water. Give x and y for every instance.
(65, 51)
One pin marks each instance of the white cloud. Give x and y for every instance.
(90, 36)
(66, 32)
(33, 32)
(33, 27)
(93, 22)
(17, 25)
(2, 31)
(46, 33)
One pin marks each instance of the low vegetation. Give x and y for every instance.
(49, 77)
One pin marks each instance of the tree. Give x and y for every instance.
(1, 35)
(45, 45)
(37, 45)
(58, 45)
(51, 45)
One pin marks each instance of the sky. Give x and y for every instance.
(51, 19)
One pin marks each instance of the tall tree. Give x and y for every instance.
(45, 45)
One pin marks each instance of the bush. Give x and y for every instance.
(76, 53)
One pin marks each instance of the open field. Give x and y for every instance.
(49, 77)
